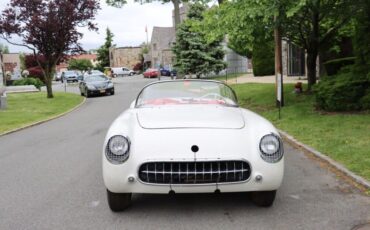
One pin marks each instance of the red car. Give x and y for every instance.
(151, 73)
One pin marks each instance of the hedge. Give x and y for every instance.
(344, 92)
(333, 67)
(263, 59)
(30, 81)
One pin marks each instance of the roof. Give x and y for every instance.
(85, 56)
(163, 37)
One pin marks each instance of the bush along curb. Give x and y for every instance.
(43, 121)
(361, 182)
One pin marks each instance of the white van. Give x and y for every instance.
(121, 71)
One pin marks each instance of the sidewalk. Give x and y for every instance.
(249, 78)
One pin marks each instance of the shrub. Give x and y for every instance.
(365, 100)
(80, 64)
(344, 92)
(30, 81)
(36, 72)
(138, 67)
(333, 67)
(263, 59)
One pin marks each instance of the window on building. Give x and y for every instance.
(154, 46)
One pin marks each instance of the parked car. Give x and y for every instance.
(58, 76)
(93, 72)
(167, 72)
(70, 76)
(151, 73)
(96, 85)
(212, 145)
(121, 71)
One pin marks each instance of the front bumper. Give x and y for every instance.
(101, 91)
(124, 178)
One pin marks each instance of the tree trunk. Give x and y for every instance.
(311, 68)
(48, 81)
(176, 10)
(49, 88)
(313, 49)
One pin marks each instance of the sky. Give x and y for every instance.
(127, 24)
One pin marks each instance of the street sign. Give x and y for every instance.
(279, 89)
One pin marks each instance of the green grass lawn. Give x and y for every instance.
(345, 137)
(27, 108)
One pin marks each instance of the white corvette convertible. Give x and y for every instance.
(190, 136)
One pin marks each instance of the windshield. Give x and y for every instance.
(69, 73)
(93, 78)
(186, 92)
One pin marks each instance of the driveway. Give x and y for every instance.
(50, 178)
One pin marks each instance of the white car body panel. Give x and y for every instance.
(166, 133)
(212, 117)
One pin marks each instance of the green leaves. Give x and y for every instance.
(194, 53)
(103, 51)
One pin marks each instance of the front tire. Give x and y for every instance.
(263, 198)
(118, 202)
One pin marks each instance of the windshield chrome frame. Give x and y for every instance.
(183, 80)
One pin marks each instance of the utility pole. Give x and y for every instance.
(278, 64)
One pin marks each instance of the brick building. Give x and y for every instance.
(124, 56)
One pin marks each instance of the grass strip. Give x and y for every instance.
(345, 137)
(28, 108)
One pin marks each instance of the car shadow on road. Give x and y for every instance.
(168, 202)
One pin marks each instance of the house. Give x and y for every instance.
(163, 37)
(124, 56)
(11, 63)
(161, 42)
(293, 59)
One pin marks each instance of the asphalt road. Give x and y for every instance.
(50, 178)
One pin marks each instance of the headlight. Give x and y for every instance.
(117, 150)
(110, 85)
(271, 148)
(91, 87)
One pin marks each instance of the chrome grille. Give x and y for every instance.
(200, 172)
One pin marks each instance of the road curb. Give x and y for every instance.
(343, 170)
(46, 120)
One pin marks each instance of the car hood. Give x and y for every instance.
(190, 116)
(98, 84)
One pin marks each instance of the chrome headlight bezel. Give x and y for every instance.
(269, 154)
(110, 154)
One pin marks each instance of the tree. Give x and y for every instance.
(32, 64)
(103, 51)
(362, 41)
(4, 49)
(48, 28)
(309, 24)
(80, 64)
(194, 55)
